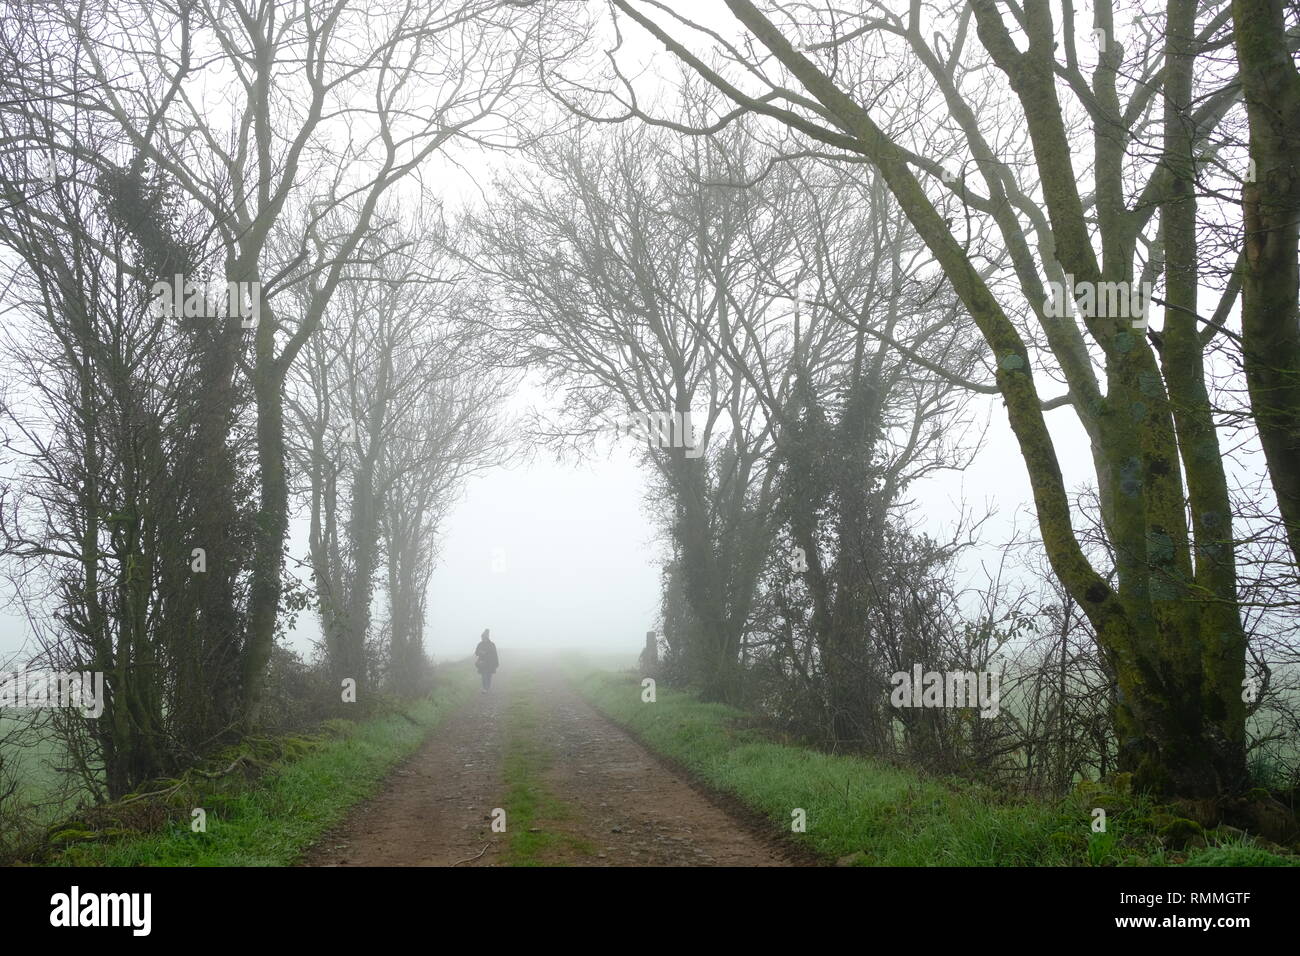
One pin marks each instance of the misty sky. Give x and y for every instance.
(581, 559)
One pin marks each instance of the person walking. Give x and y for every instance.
(485, 660)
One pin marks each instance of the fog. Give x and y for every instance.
(919, 378)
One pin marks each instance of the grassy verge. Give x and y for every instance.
(29, 756)
(273, 819)
(862, 812)
(535, 819)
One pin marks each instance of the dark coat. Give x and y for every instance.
(486, 657)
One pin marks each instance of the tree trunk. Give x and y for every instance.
(1270, 312)
(272, 527)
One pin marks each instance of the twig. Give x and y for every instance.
(469, 859)
(155, 793)
(221, 773)
(170, 790)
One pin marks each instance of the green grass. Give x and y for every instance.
(31, 756)
(273, 820)
(865, 812)
(534, 817)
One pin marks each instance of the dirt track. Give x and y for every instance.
(603, 799)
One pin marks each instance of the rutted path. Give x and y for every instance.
(577, 791)
(435, 808)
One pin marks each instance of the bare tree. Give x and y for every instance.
(1170, 624)
(1270, 300)
(268, 163)
(389, 423)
